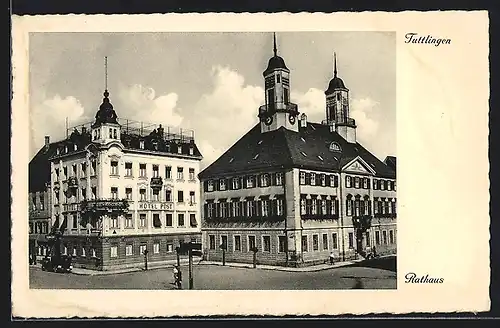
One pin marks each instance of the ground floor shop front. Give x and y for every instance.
(116, 252)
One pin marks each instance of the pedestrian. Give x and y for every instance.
(332, 257)
(177, 276)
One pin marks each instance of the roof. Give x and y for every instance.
(390, 161)
(308, 149)
(274, 63)
(335, 83)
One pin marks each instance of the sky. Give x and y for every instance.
(211, 83)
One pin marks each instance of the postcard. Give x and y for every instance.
(250, 164)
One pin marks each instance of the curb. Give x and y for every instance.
(285, 269)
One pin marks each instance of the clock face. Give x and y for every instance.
(268, 120)
(291, 118)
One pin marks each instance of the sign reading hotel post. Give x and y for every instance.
(159, 206)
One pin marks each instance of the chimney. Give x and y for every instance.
(303, 120)
(47, 141)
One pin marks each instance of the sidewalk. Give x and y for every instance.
(311, 268)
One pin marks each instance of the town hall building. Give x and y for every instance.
(293, 191)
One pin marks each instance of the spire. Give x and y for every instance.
(275, 49)
(106, 93)
(334, 64)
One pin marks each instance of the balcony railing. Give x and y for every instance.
(385, 215)
(156, 183)
(346, 121)
(319, 216)
(105, 205)
(278, 107)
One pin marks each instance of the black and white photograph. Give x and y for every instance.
(213, 160)
(249, 164)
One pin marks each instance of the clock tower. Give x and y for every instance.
(278, 111)
(337, 107)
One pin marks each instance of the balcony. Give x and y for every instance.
(319, 217)
(268, 109)
(72, 183)
(385, 215)
(70, 208)
(117, 206)
(156, 183)
(362, 222)
(245, 219)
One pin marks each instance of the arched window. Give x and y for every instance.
(349, 205)
(334, 146)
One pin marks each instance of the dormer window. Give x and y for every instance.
(334, 147)
(191, 151)
(210, 185)
(66, 149)
(222, 184)
(141, 144)
(303, 154)
(256, 156)
(179, 149)
(313, 179)
(75, 147)
(264, 180)
(348, 181)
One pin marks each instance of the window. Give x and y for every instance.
(168, 195)
(192, 177)
(279, 179)
(141, 144)
(83, 169)
(74, 251)
(348, 181)
(179, 149)
(142, 220)
(351, 240)
(156, 220)
(375, 184)
(83, 252)
(114, 167)
(84, 193)
(156, 248)
(210, 185)
(237, 243)
(223, 209)
(110, 133)
(382, 185)
(169, 220)
(180, 220)
(377, 238)
(115, 135)
(114, 251)
(41, 202)
(266, 243)
(94, 192)
(93, 165)
(65, 172)
(128, 250)
(192, 200)
(128, 193)
(264, 180)
(211, 242)
(180, 173)
(142, 195)
(156, 172)
(33, 201)
(142, 170)
(114, 193)
(168, 172)
(384, 237)
(250, 182)
(323, 179)
(265, 207)
(334, 241)
(170, 248)
(236, 183)
(180, 196)
(281, 244)
(251, 242)
(192, 220)
(92, 252)
(222, 184)
(325, 241)
(210, 210)
(74, 170)
(191, 150)
(114, 222)
(279, 207)
(302, 178)
(128, 221)
(356, 182)
(142, 249)
(156, 195)
(349, 206)
(57, 174)
(303, 206)
(368, 243)
(278, 78)
(223, 242)
(304, 243)
(313, 179)
(365, 183)
(315, 242)
(323, 207)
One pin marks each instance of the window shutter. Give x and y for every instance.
(274, 206)
(244, 181)
(217, 210)
(205, 211)
(318, 179)
(374, 184)
(257, 207)
(272, 179)
(328, 180)
(217, 184)
(205, 185)
(257, 180)
(369, 207)
(336, 205)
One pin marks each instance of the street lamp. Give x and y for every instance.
(146, 259)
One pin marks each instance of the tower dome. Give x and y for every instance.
(335, 83)
(106, 113)
(276, 61)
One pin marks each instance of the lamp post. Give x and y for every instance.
(146, 259)
(223, 246)
(254, 250)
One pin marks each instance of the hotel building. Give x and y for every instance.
(120, 188)
(294, 191)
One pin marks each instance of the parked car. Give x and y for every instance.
(57, 264)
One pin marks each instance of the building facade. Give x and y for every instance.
(123, 189)
(39, 203)
(293, 191)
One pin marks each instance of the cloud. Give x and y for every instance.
(48, 117)
(229, 110)
(362, 110)
(140, 103)
(312, 103)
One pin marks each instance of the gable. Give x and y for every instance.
(358, 165)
